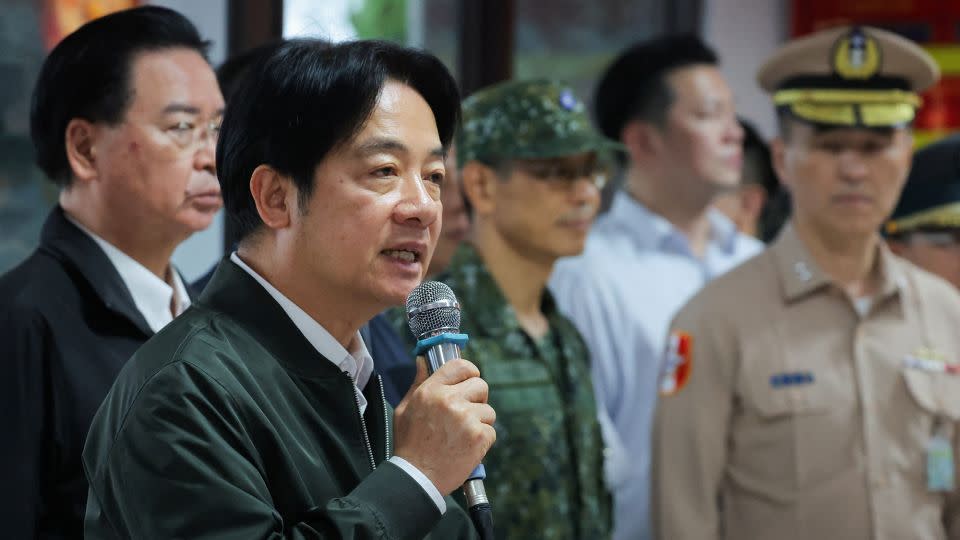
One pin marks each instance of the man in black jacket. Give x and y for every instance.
(124, 118)
(259, 412)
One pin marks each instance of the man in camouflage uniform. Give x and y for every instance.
(530, 168)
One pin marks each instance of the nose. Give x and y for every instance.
(205, 157)
(584, 190)
(853, 168)
(734, 132)
(417, 207)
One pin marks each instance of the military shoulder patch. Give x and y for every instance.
(677, 363)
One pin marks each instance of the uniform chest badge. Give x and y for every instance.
(927, 359)
(677, 364)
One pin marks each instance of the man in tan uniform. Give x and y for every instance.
(813, 392)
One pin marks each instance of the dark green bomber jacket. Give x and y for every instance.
(229, 424)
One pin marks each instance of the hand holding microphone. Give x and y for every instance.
(444, 425)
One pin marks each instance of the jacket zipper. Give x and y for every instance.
(363, 423)
(386, 416)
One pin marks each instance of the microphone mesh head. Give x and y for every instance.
(425, 317)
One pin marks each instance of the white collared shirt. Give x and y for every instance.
(357, 363)
(151, 295)
(636, 272)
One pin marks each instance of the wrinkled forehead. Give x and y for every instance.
(174, 80)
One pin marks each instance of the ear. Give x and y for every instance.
(275, 197)
(80, 140)
(778, 156)
(479, 184)
(641, 139)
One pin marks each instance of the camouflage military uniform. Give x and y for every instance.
(545, 472)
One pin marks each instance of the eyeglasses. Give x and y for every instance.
(190, 136)
(564, 173)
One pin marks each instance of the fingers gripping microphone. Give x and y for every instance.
(433, 314)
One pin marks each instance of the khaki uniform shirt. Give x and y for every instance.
(800, 417)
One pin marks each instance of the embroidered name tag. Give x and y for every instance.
(782, 380)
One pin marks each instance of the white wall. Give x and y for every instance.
(210, 17)
(202, 250)
(744, 33)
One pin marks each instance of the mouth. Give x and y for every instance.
(853, 199)
(205, 201)
(581, 218)
(734, 161)
(576, 222)
(411, 253)
(204, 193)
(402, 254)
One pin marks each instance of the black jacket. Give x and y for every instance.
(67, 326)
(229, 424)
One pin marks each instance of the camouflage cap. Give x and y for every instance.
(526, 119)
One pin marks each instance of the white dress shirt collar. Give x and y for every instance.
(653, 231)
(151, 295)
(357, 362)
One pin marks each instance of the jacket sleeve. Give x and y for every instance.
(24, 387)
(184, 466)
(691, 432)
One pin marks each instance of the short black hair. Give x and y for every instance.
(88, 75)
(755, 149)
(758, 160)
(635, 85)
(308, 98)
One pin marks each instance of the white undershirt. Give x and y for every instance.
(151, 295)
(356, 362)
(863, 305)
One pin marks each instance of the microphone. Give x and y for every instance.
(433, 315)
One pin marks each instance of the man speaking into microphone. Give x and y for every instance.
(258, 413)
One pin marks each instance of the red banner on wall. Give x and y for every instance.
(61, 17)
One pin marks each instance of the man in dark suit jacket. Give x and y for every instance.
(259, 412)
(124, 118)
